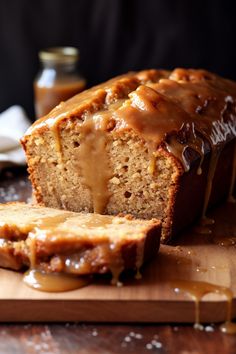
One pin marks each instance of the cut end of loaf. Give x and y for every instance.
(132, 187)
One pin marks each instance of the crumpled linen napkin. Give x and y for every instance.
(13, 125)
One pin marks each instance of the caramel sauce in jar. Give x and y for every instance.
(58, 79)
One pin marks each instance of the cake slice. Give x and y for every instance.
(77, 243)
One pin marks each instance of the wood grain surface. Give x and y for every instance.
(115, 338)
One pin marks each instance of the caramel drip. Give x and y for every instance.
(31, 242)
(139, 258)
(228, 327)
(198, 146)
(152, 164)
(231, 198)
(54, 282)
(197, 290)
(85, 262)
(178, 150)
(117, 265)
(94, 163)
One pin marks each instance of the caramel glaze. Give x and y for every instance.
(78, 261)
(93, 160)
(180, 110)
(197, 290)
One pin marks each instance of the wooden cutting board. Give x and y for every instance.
(152, 299)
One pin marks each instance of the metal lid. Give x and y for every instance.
(59, 54)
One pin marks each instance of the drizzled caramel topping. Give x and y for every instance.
(94, 163)
(191, 112)
(151, 114)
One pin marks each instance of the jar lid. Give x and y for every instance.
(59, 54)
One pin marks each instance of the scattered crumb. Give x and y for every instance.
(154, 343)
(136, 335)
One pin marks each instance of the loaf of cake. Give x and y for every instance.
(152, 144)
(61, 241)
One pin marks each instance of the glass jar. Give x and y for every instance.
(58, 78)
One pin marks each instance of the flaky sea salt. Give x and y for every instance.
(149, 346)
(209, 329)
(127, 339)
(135, 335)
(94, 333)
(156, 344)
(9, 194)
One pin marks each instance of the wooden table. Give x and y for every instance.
(101, 338)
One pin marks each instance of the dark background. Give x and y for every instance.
(114, 36)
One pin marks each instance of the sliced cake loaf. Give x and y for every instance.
(77, 243)
(151, 144)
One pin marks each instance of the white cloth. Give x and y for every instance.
(13, 125)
